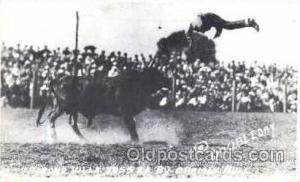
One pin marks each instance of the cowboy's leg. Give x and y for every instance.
(241, 24)
(219, 22)
(230, 25)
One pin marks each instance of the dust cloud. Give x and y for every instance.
(152, 126)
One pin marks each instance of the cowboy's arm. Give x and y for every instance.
(218, 32)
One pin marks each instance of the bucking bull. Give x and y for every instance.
(125, 95)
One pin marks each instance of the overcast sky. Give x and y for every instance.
(132, 26)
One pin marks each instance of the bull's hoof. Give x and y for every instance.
(89, 126)
(52, 137)
(135, 139)
(83, 139)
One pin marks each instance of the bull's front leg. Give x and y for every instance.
(130, 124)
(53, 116)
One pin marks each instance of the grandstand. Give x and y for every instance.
(26, 73)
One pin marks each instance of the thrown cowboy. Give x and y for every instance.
(204, 22)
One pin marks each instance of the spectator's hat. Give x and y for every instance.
(66, 51)
(90, 48)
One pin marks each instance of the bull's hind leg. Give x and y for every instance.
(75, 126)
(90, 122)
(130, 124)
(70, 119)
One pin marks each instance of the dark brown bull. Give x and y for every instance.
(125, 95)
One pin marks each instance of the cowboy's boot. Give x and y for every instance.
(252, 23)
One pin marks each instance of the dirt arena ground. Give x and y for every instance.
(26, 149)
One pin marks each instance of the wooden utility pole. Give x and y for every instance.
(233, 104)
(285, 96)
(75, 66)
(285, 82)
(32, 86)
(174, 73)
(173, 96)
(76, 46)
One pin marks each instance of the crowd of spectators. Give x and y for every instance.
(199, 86)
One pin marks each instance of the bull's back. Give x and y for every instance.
(130, 94)
(70, 90)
